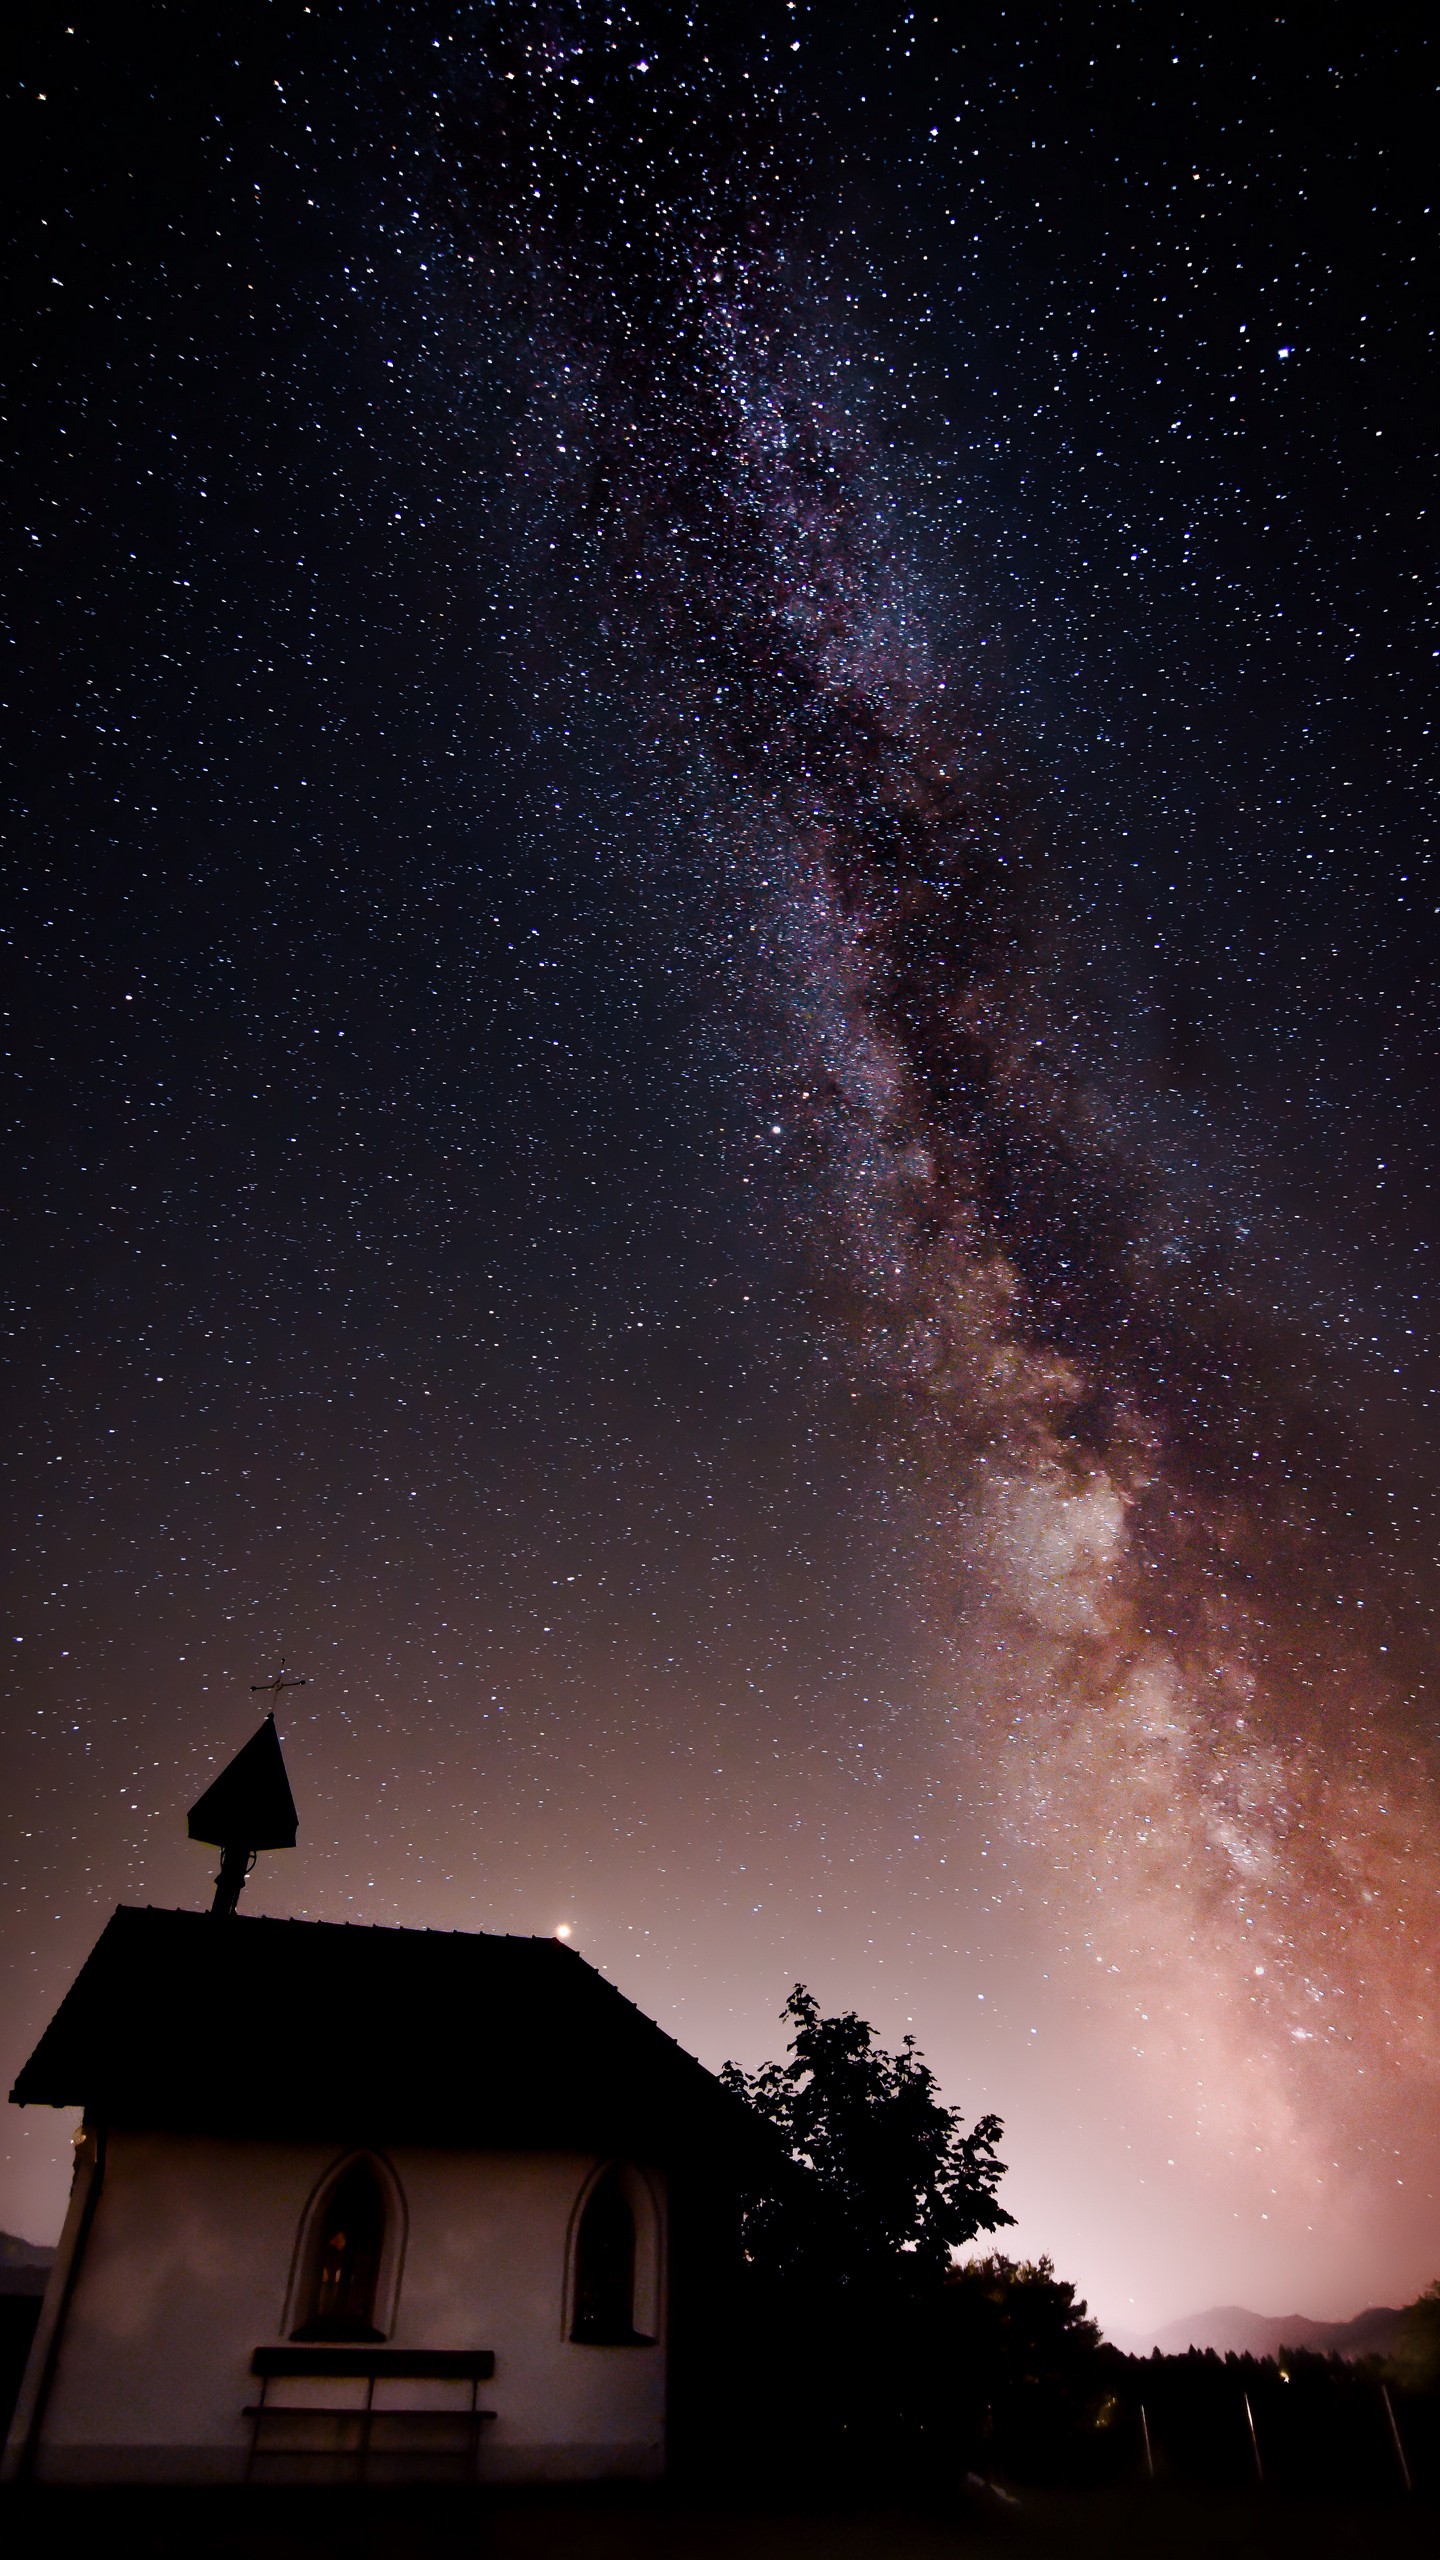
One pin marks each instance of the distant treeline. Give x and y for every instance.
(1300, 2423)
(999, 2376)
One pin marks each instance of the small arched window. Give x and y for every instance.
(345, 2252)
(604, 2298)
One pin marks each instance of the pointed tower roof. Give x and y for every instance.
(250, 1805)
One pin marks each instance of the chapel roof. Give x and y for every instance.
(312, 2029)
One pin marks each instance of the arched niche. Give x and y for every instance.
(615, 2274)
(345, 2279)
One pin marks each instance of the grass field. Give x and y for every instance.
(445, 2525)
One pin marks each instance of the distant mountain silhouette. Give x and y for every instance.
(1233, 2331)
(23, 2267)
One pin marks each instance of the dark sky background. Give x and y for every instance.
(722, 1046)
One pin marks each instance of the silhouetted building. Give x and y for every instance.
(381, 2200)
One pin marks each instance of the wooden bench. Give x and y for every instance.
(369, 2365)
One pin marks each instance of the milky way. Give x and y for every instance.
(1183, 1575)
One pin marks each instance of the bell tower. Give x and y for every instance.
(248, 1808)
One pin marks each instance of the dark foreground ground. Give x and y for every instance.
(441, 2525)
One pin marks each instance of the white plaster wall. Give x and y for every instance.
(189, 2267)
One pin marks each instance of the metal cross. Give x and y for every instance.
(283, 1680)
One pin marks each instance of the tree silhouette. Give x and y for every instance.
(890, 2183)
(1016, 2342)
(1415, 2356)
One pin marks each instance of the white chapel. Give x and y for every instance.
(370, 2203)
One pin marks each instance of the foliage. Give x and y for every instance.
(1415, 2355)
(895, 2183)
(1014, 2341)
(1034, 2327)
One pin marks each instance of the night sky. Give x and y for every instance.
(722, 1047)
